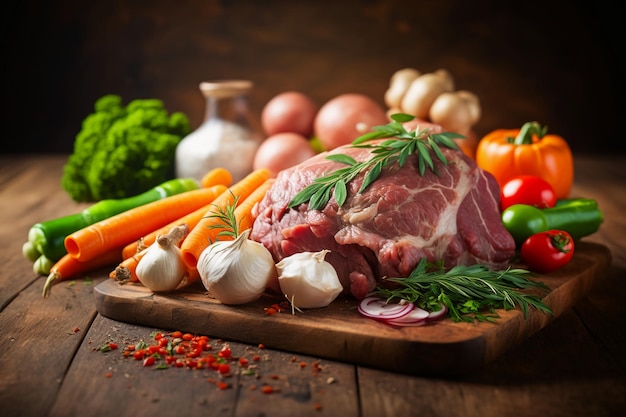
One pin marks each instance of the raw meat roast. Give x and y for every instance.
(399, 219)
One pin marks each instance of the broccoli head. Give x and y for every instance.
(123, 151)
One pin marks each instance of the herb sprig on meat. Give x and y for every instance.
(397, 150)
(467, 291)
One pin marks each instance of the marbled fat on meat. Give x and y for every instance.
(452, 215)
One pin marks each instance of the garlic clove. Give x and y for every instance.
(236, 271)
(307, 280)
(161, 270)
(162, 267)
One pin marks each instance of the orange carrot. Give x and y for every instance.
(192, 276)
(243, 212)
(69, 267)
(125, 271)
(243, 217)
(205, 231)
(217, 176)
(190, 219)
(123, 228)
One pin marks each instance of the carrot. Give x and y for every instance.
(69, 267)
(217, 176)
(244, 219)
(192, 276)
(190, 219)
(206, 231)
(243, 212)
(123, 228)
(125, 271)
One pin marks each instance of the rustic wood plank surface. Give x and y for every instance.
(50, 362)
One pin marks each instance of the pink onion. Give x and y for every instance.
(377, 308)
(398, 314)
(416, 317)
(436, 315)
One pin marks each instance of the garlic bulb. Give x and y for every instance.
(307, 280)
(162, 267)
(236, 271)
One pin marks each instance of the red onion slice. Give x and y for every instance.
(417, 317)
(398, 314)
(380, 309)
(439, 314)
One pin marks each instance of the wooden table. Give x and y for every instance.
(51, 363)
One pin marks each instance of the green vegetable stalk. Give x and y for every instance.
(47, 238)
(123, 151)
(579, 217)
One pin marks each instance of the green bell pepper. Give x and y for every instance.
(579, 217)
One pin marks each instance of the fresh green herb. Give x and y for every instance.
(467, 291)
(228, 220)
(393, 151)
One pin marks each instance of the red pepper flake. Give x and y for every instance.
(267, 389)
(224, 369)
(274, 376)
(261, 346)
(302, 364)
(243, 362)
(223, 385)
(76, 329)
(317, 407)
(149, 361)
(316, 368)
(293, 359)
(256, 358)
(187, 336)
(225, 352)
(108, 375)
(177, 334)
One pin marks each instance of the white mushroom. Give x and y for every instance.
(453, 112)
(423, 91)
(398, 85)
(474, 104)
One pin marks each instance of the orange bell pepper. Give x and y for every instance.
(506, 153)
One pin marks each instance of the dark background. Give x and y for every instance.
(551, 61)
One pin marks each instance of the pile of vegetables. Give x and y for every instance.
(122, 151)
(46, 240)
(535, 171)
(184, 231)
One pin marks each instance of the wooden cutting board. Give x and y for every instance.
(338, 332)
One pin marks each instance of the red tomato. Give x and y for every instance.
(527, 189)
(547, 251)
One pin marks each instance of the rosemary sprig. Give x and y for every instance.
(228, 220)
(467, 291)
(393, 151)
